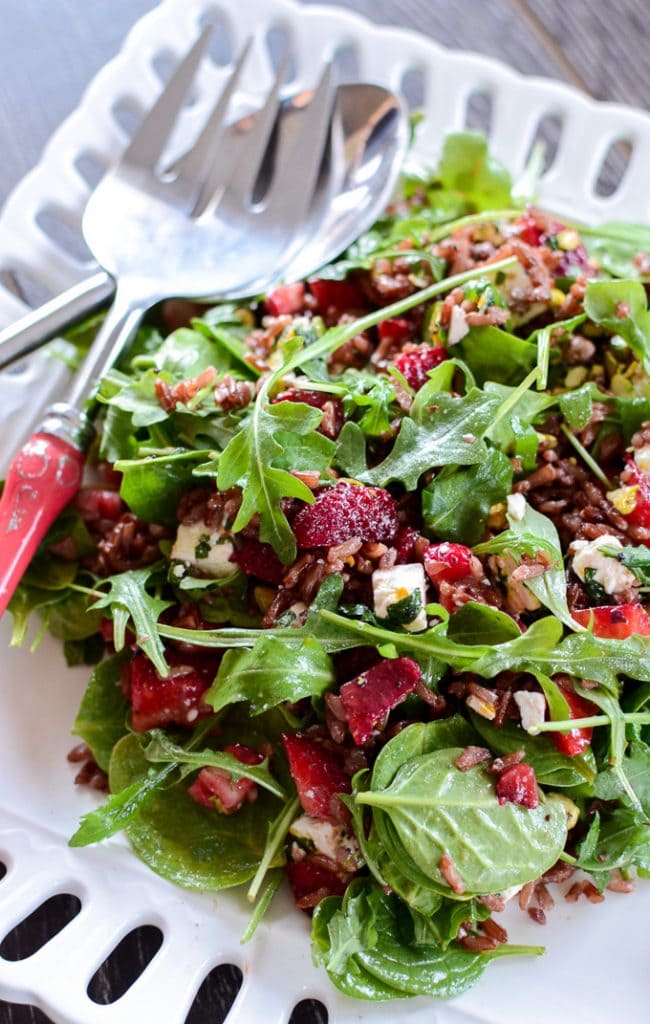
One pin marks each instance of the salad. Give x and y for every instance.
(361, 574)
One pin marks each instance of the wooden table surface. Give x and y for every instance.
(50, 49)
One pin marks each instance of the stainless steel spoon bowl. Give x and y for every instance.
(372, 136)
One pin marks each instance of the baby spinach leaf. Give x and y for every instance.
(271, 673)
(249, 462)
(442, 927)
(622, 307)
(182, 841)
(152, 486)
(101, 717)
(615, 244)
(466, 166)
(186, 353)
(619, 839)
(435, 809)
(369, 952)
(576, 406)
(128, 598)
(456, 504)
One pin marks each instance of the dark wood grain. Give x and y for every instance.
(50, 50)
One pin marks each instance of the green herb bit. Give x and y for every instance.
(586, 457)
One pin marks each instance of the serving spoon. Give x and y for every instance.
(372, 137)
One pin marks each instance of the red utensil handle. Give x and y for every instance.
(43, 478)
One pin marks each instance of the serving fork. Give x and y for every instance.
(187, 230)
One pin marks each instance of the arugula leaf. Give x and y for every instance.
(249, 462)
(128, 598)
(271, 673)
(576, 406)
(552, 768)
(161, 750)
(493, 354)
(101, 718)
(186, 353)
(622, 307)
(456, 504)
(440, 431)
(637, 559)
(475, 623)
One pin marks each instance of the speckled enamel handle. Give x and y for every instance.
(44, 476)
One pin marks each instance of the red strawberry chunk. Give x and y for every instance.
(577, 740)
(319, 778)
(286, 298)
(529, 230)
(414, 363)
(447, 562)
(615, 621)
(405, 545)
(518, 785)
(395, 329)
(175, 699)
(217, 789)
(345, 511)
(369, 697)
(331, 424)
(336, 297)
(308, 877)
(259, 560)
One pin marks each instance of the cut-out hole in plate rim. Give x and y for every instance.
(125, 964)
(40, 926)
(215, 997)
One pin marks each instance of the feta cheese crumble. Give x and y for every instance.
(642, 458)
(532, 707)
(592, 562)
(405, 585)
(199, 547)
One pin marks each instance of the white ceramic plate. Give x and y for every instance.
(595, 969)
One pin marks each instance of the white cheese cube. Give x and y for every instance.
(199, 547)
(458, 327)
(516, 507)
(605, 568)
(532, 707)
(390, 586)
(332, 841)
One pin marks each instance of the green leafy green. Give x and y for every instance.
(129, 600)
(152, 486)
(456, 504)
(434, 810)
(467, 167)
(622, 307)
(101, 718)
(495, 355)
(271, 673)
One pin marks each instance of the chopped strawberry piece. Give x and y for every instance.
(332, 424)
(369, 697)
(337, 296)
(259, 560)
(394, 329)
(247, 755)
(217, 789)
(175, 699)
(96, 503)
(577, 740)
(518, 785)
(529, 230)
(319, 778)
(286, 298)
(632, 476)
(447, 562)
(417, 361)
(405, 545)
(308, 876)
(615, 621)
(345, 511)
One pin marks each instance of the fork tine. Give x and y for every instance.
(246, 170)
(150, 139)
(197, 163)
(297, 165)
